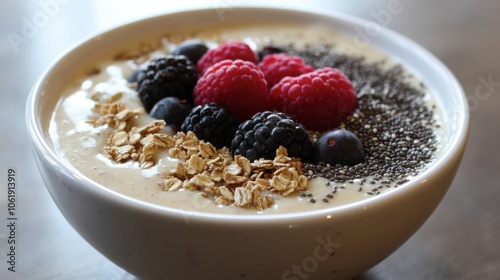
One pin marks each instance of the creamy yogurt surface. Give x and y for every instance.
(81, 144)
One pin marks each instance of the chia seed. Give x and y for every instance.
(392, 121)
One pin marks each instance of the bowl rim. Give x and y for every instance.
(40, 144)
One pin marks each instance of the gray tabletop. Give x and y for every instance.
(459, 241)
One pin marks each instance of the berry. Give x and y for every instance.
(166, 76)
(267, 50)
(193, 49)
(319, 100)
(339, 146)
(278, 66)
(211, 123)
(135, 75)
(237, 85)
(227, 50)
(267, 131)
(172, 110)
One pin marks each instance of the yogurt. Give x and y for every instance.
(81, 144)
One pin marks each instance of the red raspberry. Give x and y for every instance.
(278, 66)
(319, 100)
(237, 85)
(226, 50)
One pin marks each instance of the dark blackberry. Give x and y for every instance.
(265, 132)
(270, 49)
(166, 76)
(211, 123)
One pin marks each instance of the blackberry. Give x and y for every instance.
(166, 76)
(265, 132)
(211, 123)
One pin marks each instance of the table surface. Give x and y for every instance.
(459, 241)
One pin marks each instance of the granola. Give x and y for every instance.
(212, 172)
(233, 181)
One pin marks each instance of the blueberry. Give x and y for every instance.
(134, 77)
(172, 111)
(269, 50)
(339, 147)
(193, 49)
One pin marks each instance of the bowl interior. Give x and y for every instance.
(102, 47)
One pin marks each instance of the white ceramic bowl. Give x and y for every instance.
(154, 242)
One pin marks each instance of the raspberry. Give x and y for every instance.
(267, 131)
(211, 123)
(166, 76)
(227, 50)
(278, 66)
(319, 100)
(237, 85)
